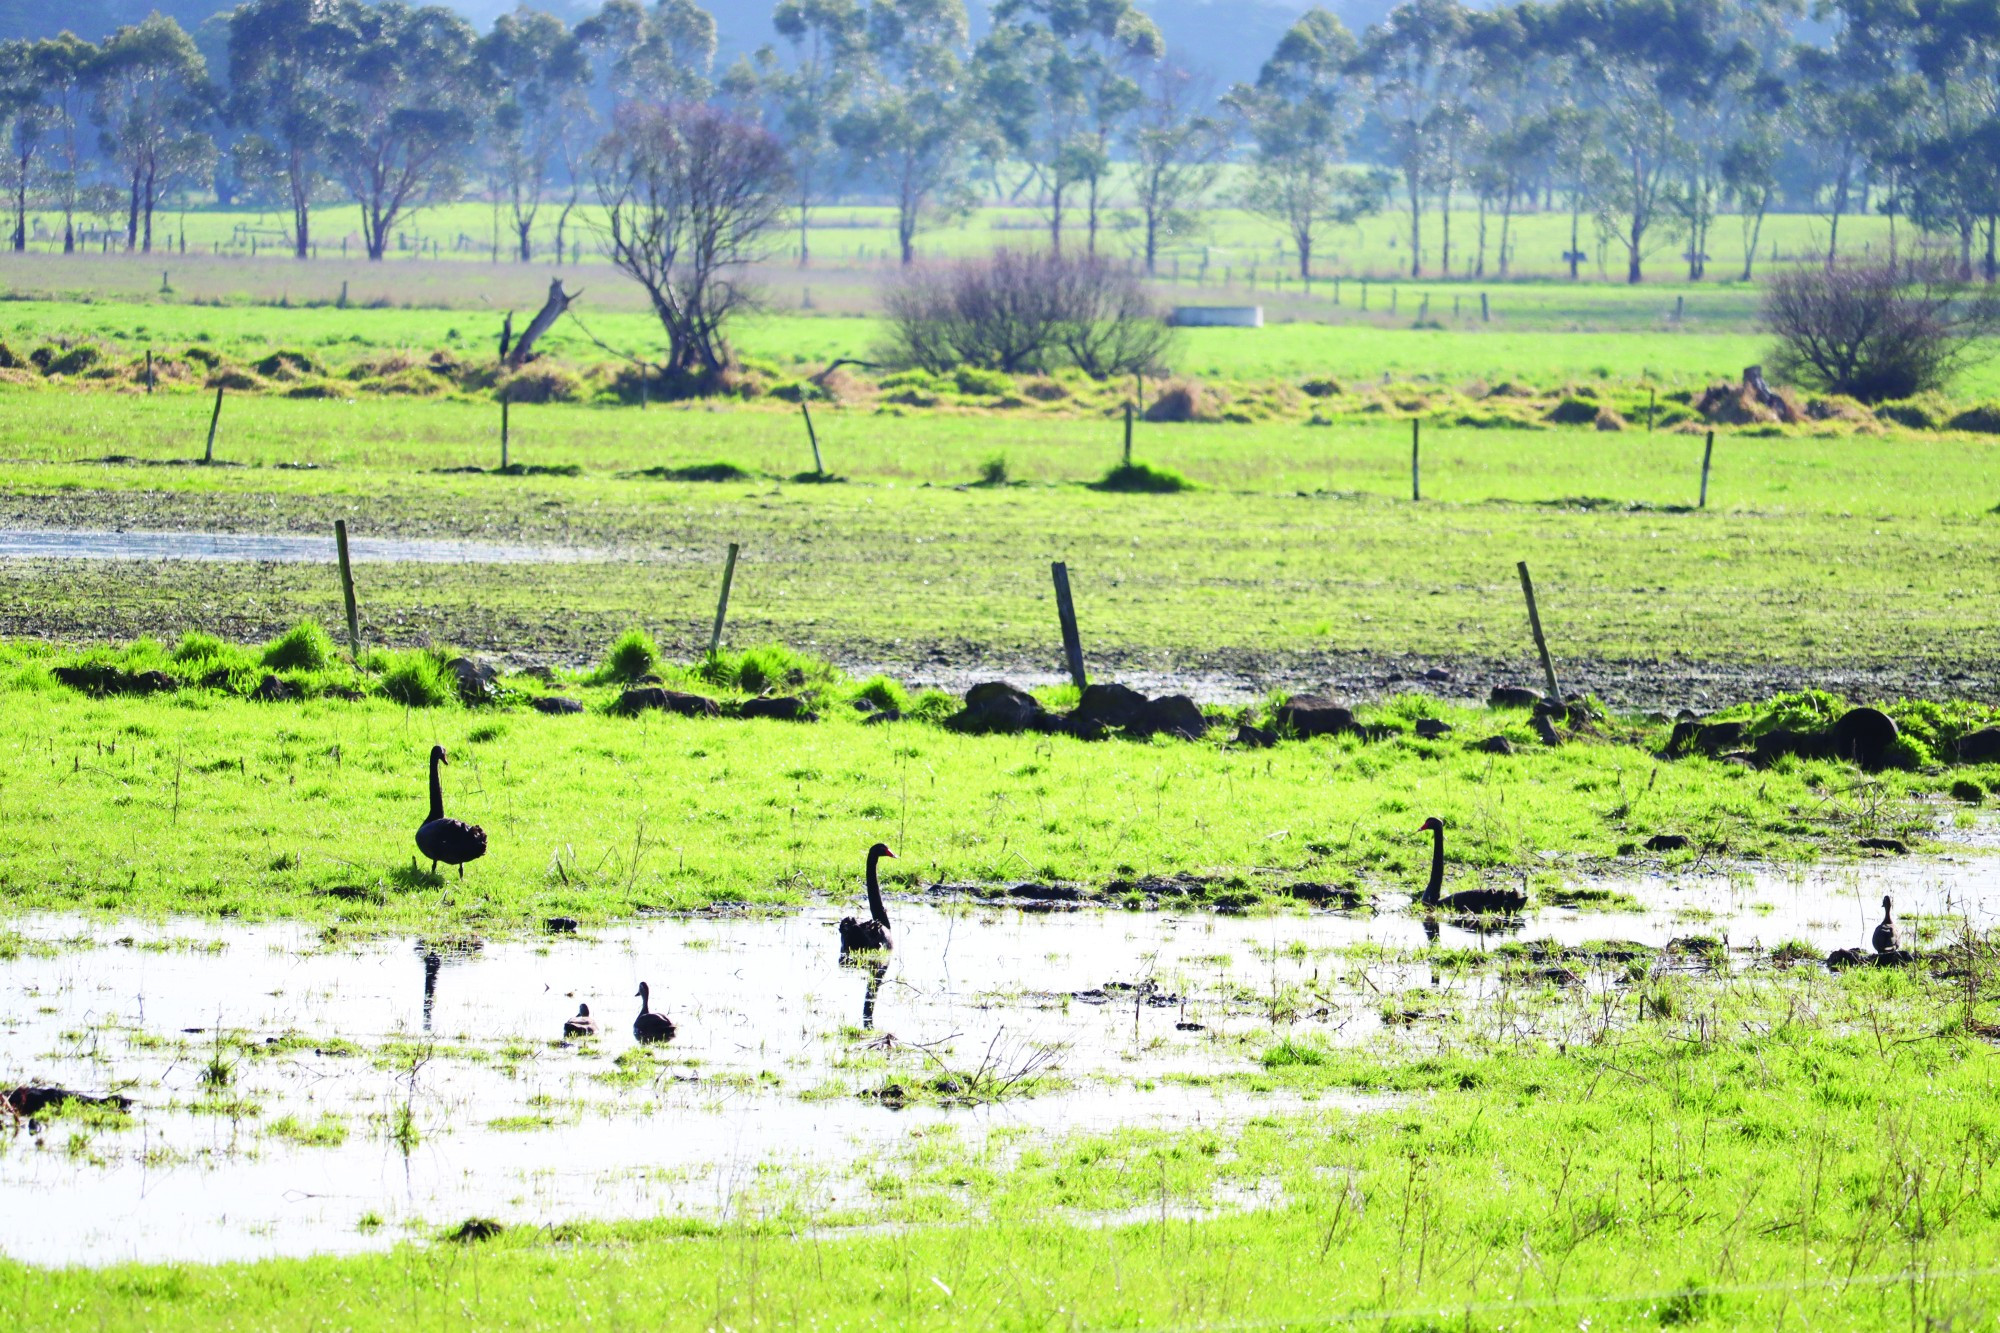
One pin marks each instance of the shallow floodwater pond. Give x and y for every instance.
(296, 1094)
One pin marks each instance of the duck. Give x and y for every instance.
(1885, 931)
(452, 841)
(1466, 902)
(649, 1026)
(581, 1024)
(872, 934)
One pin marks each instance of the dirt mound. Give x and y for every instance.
(1729, 404)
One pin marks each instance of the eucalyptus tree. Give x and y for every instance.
(1299, 115)
(150, 94)
(285, 63)
(662, 55)
(908, 125)
(1505, 97)
(809, 95)
(1177, 145)
(26, 117)
(1060, 79)
(540, 78)
(410, 93)
(1418, 67)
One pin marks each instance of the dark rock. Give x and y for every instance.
(90, 679)
(554, 704)
(1339, 895)
(560, 925)
(1110, 705)
(995, 706)
(882, 715)
(275, 689)
(1667, 842)
(1841, 959)
(31, 1099)
(1174, 715)
(1309, 715)
(1083, 728)
(1255, 738)
(782, 707)
(638, 700)
(1979, 747)
(1687, 715)
(151, 682)
(1895, 845)
(478, 682)
(1895, 958)
(1046, 893)
(1781, 741)
(1712, 738)
(1493, 745)
(1512, 696)
(1437, 674)
(1864, 735)
(1546, 729)
(1430, 728)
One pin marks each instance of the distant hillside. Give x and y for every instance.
(1227, 39)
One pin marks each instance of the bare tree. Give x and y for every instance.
(688, 195)
(1176, 156)
(1876, 333)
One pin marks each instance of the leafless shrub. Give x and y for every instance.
(1024, 312)
(1876, 333)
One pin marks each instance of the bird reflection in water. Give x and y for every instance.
(877, 969)
(431, 965)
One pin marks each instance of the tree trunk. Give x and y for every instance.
(1506, 225)
(544, 320)
(132, 212)
(1839, 207)
(148, 245)
(1756, 234)
(21, 210)
(1416, 222)
(1152, 240)
(1055, 218)
(1090, 219)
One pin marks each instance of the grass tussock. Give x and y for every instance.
(1142, 479)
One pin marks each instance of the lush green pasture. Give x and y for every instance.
(1778, 1151)
(212, 804)
(1836, 552)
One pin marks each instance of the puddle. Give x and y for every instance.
(78, 544)
(757, 1103)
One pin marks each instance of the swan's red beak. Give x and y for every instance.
(891, 855)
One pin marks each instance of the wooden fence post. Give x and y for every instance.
(1485, 311)
(1128, 435)
(1707, 452)
(503, 434)
(347, 589)
(208, 454)
(1416, 477)
(149, 370)
(722, 602)
(1535, 624)
(819, 469)
(1651, 397)
(1066, 611)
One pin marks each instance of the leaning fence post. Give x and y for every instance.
(1128, 435)
(1066, 611)
(722, 602)
(1416, 477)
(347, 589)
(818, 469)
(1535, 624)
(1707, 452)
(503, 434)
(208, 454)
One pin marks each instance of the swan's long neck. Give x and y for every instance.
(875, 907)
(437, 793)
(1436, 885)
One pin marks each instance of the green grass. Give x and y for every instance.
(1781, 1149)
(201, 803)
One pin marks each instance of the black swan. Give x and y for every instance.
(452, 841)
(1470, 902)
(862, 936)
(582, 1025)
(649, 1026)
(1885, 932)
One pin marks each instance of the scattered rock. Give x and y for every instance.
(1493, 745)
(478, 682)
(1309, 715)
(1864, 735)
(996, 706)
(31, 1099)
(1175, 715)
(554, 704)
(1710, 738)
(637, 701)
(1431, 728)
(1046, 893)
(560, 925)
(1512, 696)
(1437, 674)
(1546, 729)
(1110, 705)
(1840, 959)
(275, 689)
(1255, 738)
(1979, 747)
(1667, 842)
(782, 707)
(882, 715)
(1895, 958)
(1894, 845)
(1338, 895)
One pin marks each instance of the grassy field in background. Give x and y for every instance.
(1228, 237)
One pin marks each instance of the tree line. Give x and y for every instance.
(1648, 123)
